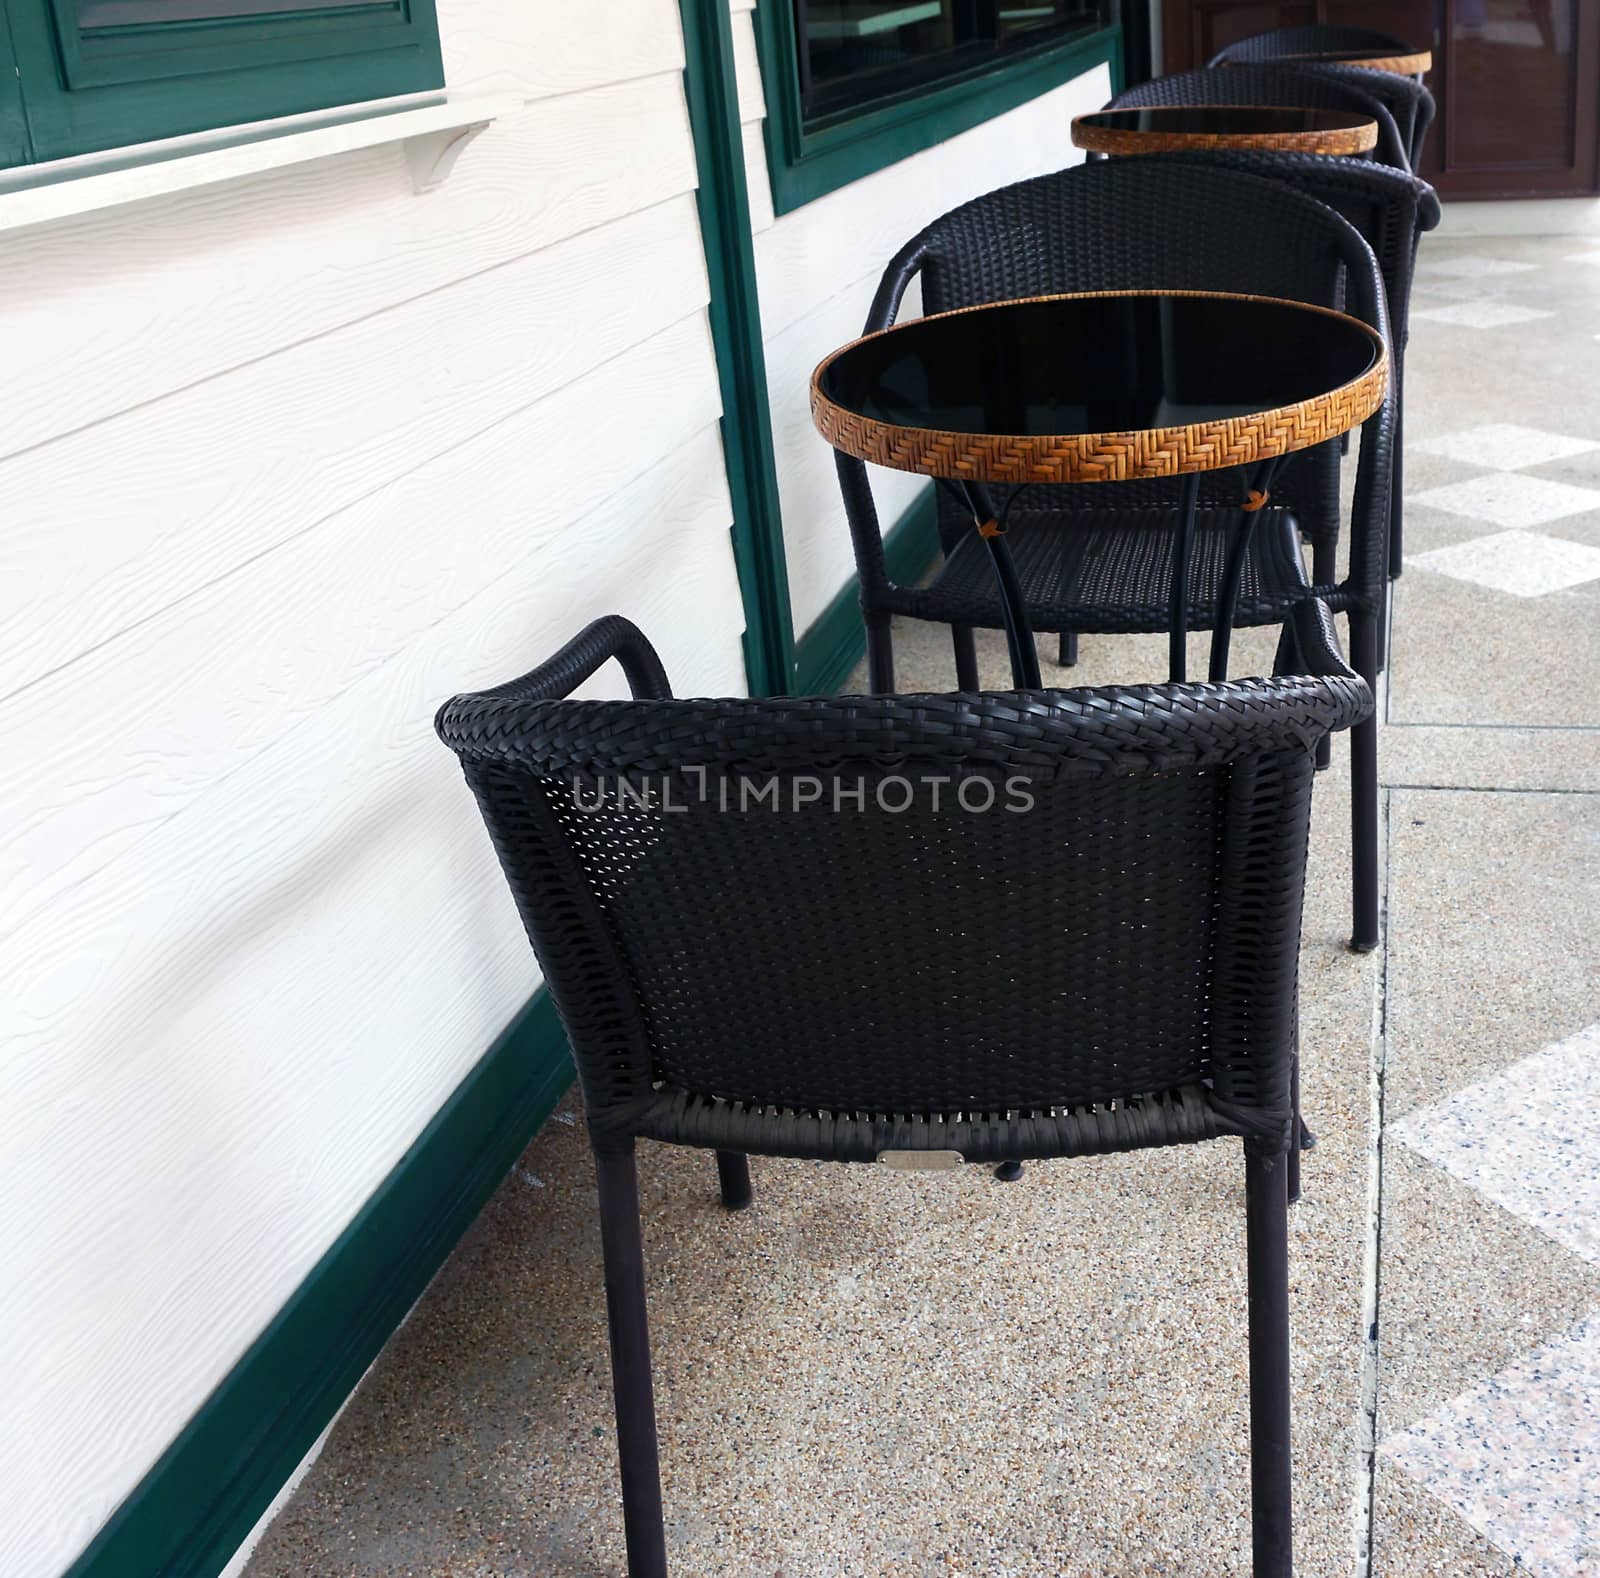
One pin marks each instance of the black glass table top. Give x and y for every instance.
(1099, 387)
(1283, 128)
(1225, 119)
(1406, 63)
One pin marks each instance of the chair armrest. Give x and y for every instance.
(587, 652)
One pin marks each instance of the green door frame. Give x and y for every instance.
(775, 664)
(724, 200)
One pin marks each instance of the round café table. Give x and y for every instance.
(1102, 387)
(1413, 63)
(1275, 129)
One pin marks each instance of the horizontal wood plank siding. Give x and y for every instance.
(146, 301)
(282, 465)
(538, 49)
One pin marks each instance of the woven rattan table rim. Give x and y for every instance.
(1333, 142)
(1104, 457)
(1412, 65)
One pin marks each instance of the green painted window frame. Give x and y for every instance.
(804, 165)
(77, 90)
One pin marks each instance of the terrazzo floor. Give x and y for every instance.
(873, 1373)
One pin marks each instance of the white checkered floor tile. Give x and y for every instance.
(1529, 1139)
(1519, 1457)
(1508, 498)
(1471, 267)
(1505, 446)
(1479, 314)
(1523, 563)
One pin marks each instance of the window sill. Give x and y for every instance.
(434, 128)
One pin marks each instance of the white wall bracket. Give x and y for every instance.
(432, 155)
(433, 128)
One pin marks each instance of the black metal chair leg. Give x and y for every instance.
(1397, 557)
(1295, 1146)
(733, 1175)
(630, 1363)
(1067, 650)
(1364, 792)
(880, 654)
(1271, 1477)
(966, 648)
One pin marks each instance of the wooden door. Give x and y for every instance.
(1518, 85)
(1517, 81)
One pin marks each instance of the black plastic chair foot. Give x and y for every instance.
(733, 1176)
(1308, 1140)
(1067, 649)
(1361, 945)
(1008, 1172)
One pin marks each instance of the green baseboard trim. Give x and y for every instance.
(827, 654)
(194, 1509)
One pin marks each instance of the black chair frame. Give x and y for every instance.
(1306, 39)
(1406, 99)
(696, 1018)
(1391, 210)
(1076, 230)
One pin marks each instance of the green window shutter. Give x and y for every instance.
(98, 74)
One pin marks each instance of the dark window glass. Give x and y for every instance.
(856, 52)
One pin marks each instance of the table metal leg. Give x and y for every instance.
(1178, 613)
(1013, 608)
(1258, 491)
(1019, 638)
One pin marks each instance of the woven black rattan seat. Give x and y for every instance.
(1110, 571)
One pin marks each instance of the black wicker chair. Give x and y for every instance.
(1391, 210)
(1097, 558)
(1405, 98)
(918, 930)
(1310, 39)
(1298, 85)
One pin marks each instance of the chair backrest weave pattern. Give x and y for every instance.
(1126, 224)
(1309, 39)
(953, 907)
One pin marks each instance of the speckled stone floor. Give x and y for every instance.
(875, 1374)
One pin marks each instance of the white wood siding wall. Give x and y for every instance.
(282, 464)
(817, 269)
